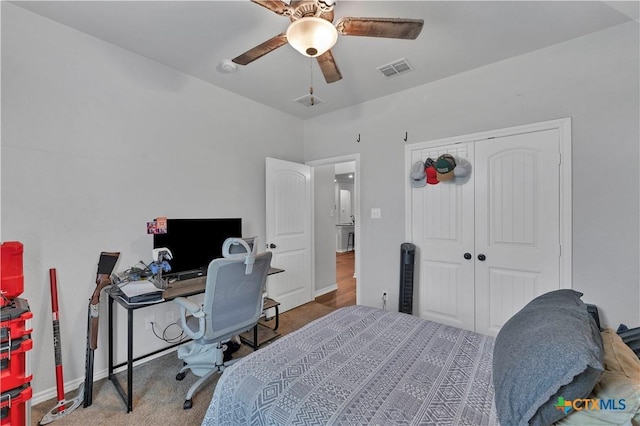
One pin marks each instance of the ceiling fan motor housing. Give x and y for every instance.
(307, 8)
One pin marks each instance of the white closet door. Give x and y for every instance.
(442, 228)
(517, 224)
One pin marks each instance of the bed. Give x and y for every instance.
(366, 366)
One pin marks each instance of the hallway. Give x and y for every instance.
(345, 295)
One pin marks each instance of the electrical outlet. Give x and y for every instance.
(170, 317)
(148, 320)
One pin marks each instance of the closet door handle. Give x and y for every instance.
(482, 257)
(272, 246)
(467, 256)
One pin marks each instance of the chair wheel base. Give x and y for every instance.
(187, 404)
(180, 376)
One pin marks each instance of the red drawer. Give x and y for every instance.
(14, 406)
(15, 370)
(15, 320)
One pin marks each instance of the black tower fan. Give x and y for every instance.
(407, 260)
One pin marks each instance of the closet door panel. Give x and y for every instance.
(517, 224)
(442, 229)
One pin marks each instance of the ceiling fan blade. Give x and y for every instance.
(407, 29)
(329, 67)
(261, 50)
(276, 6)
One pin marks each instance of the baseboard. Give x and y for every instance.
(325, 290)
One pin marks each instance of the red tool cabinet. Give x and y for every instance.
(15, 406)
(15, 340)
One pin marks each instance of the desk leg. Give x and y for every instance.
(110, 311)
(277, 318)
(255, 337)
(130, 360)
(128, 397)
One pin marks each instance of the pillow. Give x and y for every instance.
(618, 387)
(550, 349)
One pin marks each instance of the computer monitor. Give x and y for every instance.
(194, 243)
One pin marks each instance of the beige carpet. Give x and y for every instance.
(157, 395)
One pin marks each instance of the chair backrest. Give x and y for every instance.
(233, 297)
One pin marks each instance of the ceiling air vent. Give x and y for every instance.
(401, 66)
(306, 100)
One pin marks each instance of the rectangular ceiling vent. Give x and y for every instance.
(395, 68)
(306, 100)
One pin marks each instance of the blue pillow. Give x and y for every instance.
(551, 348)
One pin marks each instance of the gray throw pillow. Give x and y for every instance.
(551, 348)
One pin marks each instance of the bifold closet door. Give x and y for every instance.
(517, 224)
(488, 246)
(442, 227)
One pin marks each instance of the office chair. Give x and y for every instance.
(232, 305)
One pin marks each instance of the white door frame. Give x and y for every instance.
(563, 126)
(325, 162)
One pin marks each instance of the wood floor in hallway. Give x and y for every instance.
(345, 295)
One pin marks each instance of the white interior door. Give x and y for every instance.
(345, 206)
(517, 246)
(443, 232)
(288, 231)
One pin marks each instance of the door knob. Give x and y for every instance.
(481, 257)
(467, 256)
(272, 246)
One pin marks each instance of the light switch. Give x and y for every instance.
(376, 213)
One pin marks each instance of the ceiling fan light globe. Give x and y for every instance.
(312, 36)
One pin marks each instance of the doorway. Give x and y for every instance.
(345, 294)
(336, 225)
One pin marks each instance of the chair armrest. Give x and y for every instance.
(195, 310)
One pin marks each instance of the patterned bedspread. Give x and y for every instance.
(361, 366)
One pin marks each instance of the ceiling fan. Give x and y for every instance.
(313, 33)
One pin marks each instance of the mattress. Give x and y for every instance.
(361, 366)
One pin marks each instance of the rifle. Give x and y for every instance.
(103, 279)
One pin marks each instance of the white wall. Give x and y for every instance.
(96, 141)
(593, 80)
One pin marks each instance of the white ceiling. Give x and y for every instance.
(195, 36)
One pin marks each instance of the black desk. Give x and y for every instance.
(263, 333)
(183, 288)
